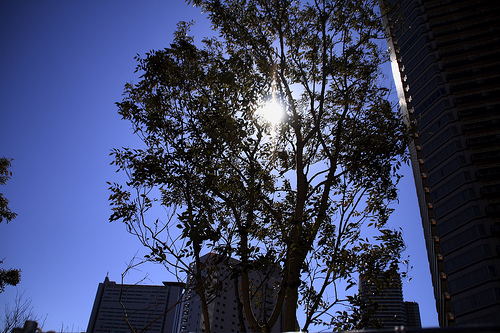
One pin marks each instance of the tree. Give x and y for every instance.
(7, 276)
(17, 315)
(5, 174)
(310, 195)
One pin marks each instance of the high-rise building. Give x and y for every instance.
(412, 313)
(445, 57)
(223, 297)
(387, 303)
(122, 307)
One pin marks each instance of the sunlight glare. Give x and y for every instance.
(272, 112)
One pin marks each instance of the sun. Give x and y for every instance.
(271, 111)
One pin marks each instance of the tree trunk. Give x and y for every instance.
(295, 260)
(200, 289)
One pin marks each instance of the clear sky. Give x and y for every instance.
(63, 65)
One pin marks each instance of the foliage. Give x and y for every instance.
(309, 195)
(360, 316)
(7, 276)
(5, 174)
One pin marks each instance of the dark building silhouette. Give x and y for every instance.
(446, 63)
(148, 308)
(412, 313)
(390, 310)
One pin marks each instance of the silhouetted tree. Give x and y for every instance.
(17, 314)
(7, 276)
(310, 194)
(5, 174)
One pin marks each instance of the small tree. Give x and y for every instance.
(5, 174)
(310, 194)
(7, 276)
(17, 314)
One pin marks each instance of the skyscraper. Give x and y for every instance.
(445, 58)
(391, 311)
(120, 307)
(412, 313)
(224, 307)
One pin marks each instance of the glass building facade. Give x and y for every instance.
(445, 57)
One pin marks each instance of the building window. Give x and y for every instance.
(454, 202)
(443, 154)
(472, 278)
(450, 185)
(468, 257)
(458, 219)
(438, 140)
(462, 238)
(447, 169)
(482, 298)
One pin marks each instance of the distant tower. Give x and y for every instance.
(391, 311)
(445, 57)
(223, 302)
(412, 312)
(156, 306)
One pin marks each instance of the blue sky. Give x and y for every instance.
(63, 66)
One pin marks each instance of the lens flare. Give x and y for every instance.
(272, 112)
